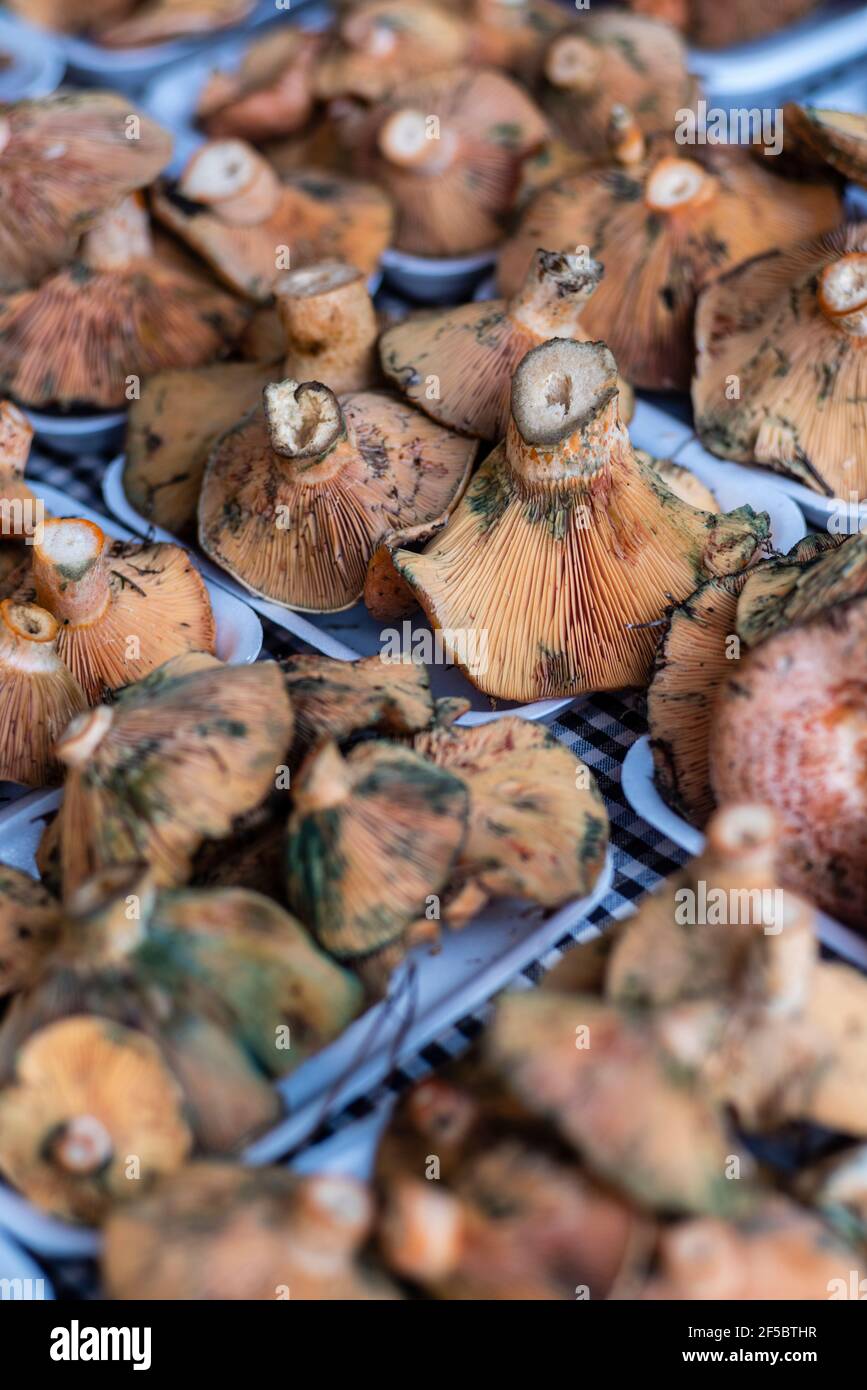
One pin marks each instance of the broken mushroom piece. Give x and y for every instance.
(122, 609)
(608, 60)
(337, 699)
(330, 326)
(120, 312)
(372, 841)
(382, 42)
(232, 208)
(449, 149)
(171, 429)
(29, 928)
(172, 762)
(663, 226)
(91, 1118)
(64, 161)
(38, 694)
(790, 327)
(269, 94)
(296, 498)
(538, 828)
(457, 364)
(215, 1231)
(565, 546)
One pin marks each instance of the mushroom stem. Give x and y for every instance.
(565, 420)
(555, 289)
(27, 637)
(407, 139)
(573, 63)
(231, 177)
(843, 293)
(69, 571)
(677, 183)
(78, 744)
(82, 1145)
(5, 133)
(120, 237)
(305, 424)
(330, 325)
(16, 434)
(744, 835)
(625, 139)
(423, 1230)
(323, 781)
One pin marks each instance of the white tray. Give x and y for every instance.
(36, 69)
(98, 432)
(16, 1265)
(639, 788)
(818, 509)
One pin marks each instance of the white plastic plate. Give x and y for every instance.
(28, 1282)
(816, 508)
(798, 54)
(100, 432)
(640, 790)
(436, 279)
(35, 69)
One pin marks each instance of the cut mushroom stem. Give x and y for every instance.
(843, 293)
(410, 139)
(564, 401)
(84, 735)
(82, 1146)
(677, 183)
(556, 287)
(574, 64)
(330, 325)
(119, 237)
(230, 177)
(27, 637)
(625, 139)
(305, 422)
(746, 835)
(69, 571)
(16, 434)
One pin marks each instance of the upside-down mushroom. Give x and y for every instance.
(29, 928)
(838, 138)
(38, 694)
(269, 94)
(514, 34)
(232, 208)
(120, 312)
(297, 496)
(538, 828)
(371, 843)
(171, 429)
(449, 150)
(160, 21)
(711, 25)
(779, 376)
(330, 326)
(64, 161)
(610, 59)
(220, 1232)
(92, 1117)
(171, 763)
(123, 609)
(565, 546)
(336, 699)
(380, 43)
(663, 224)
(457, 364)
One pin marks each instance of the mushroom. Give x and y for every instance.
(537, 829)
(330, 326)
(565, 546)
(514, 34)
(89, 332)
(122, 609)
(711, 25)
(681, 482)
(171, 763)
(159, 21)
(381, 42)
(215, 1231)
(789, 329)
(297, 496)
(340, 698)
(614, 59)
(449, 150)
(29, 928)
(371, 843)
(38, 694)
(18, 506)
(64, 161)
(269, 94)
(92, 1116)
(171, 429)
(457, 364)
(663, 225)
(231, 207)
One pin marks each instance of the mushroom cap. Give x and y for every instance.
(713, 209)
(177, 757)
(82, 334)
(337, 699)
(790, 731)
(218, 1231)
(800, 408)
(88, 1097)
(371, 838)
(171, 429)
(838, 137)
(38, 694)
(514, 34)
(29, 928)
(302, 534)
(452, 183)
(381, 42)
(269, 94)
(66, 159)
(159, 21)
(549, 552)
(817, 573)
(316, 214)
(538, 828)
(681, 482)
